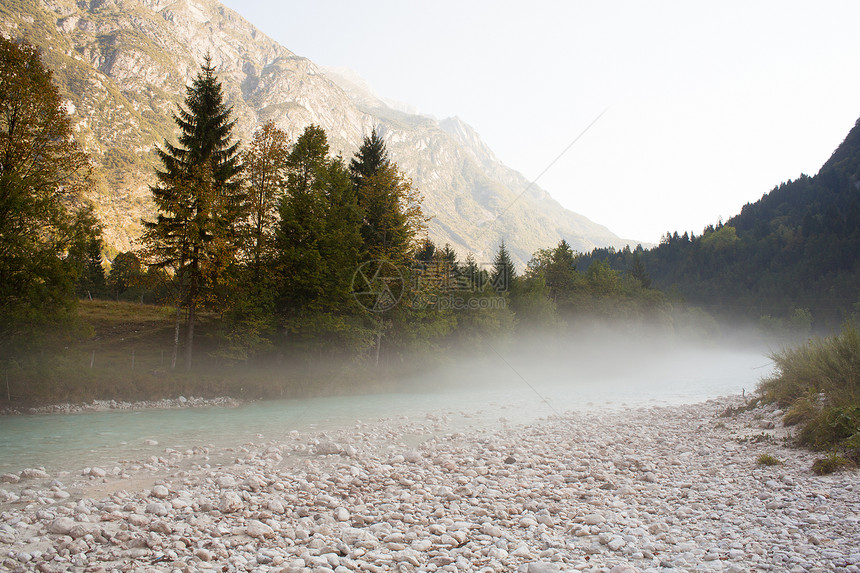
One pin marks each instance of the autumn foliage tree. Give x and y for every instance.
(265, 163)
(41, 167)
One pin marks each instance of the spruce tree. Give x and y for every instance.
(369, 159)
(392, 221)
(562, 278)
(425, 253)
(199, 200)
(475, 277)
(638, 272)
(504, 272)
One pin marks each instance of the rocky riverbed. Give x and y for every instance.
(651, 489)
(105, 405)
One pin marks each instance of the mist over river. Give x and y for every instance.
(485, 393)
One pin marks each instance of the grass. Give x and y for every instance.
(817, 385)
(832, 463)
(767, 460)
(755, 438)
(126, 353)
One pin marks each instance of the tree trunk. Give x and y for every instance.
(176, 336)
(378, 342)
(193, 287)
(189, 335)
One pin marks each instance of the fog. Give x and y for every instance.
(499, 383)
(600, 368)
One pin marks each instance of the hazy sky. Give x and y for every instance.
(709, 105)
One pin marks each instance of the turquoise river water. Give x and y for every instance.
(519, 392)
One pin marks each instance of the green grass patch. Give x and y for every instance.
(767, 460)
(832, 463)
(817, 385)
(763, 437)
(124, 352)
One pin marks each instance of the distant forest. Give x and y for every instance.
(792, 257)
(289, 253)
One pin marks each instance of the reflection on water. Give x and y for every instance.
(519, 391)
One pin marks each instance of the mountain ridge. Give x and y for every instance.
(790, 257)
(124, 66)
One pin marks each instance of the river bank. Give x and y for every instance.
(120, 405)
(639, 490)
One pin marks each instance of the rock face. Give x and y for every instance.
(124, 65)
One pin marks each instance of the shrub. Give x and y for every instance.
(830, 366)
(818, 385)
(767, 460)
(803, 410)
(830, 426)
(828, 465)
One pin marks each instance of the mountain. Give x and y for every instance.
(792, 255)
(124, 66)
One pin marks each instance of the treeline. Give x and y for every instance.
(791, 259)
(308, 257)
(286, 252)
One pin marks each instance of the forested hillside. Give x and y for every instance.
(793, 255)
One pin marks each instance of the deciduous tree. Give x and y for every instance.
(126, 273)
(317, 244)
(40, 167)
(265, 163)
(85, 255)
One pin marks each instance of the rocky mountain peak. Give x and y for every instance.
(124, 65)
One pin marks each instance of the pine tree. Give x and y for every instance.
(504, 272)
(198, 197)
(392, 221)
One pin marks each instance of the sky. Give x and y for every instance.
(705, 106)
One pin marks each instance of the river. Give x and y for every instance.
(514, 391)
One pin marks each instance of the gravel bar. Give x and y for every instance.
(650, 489)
